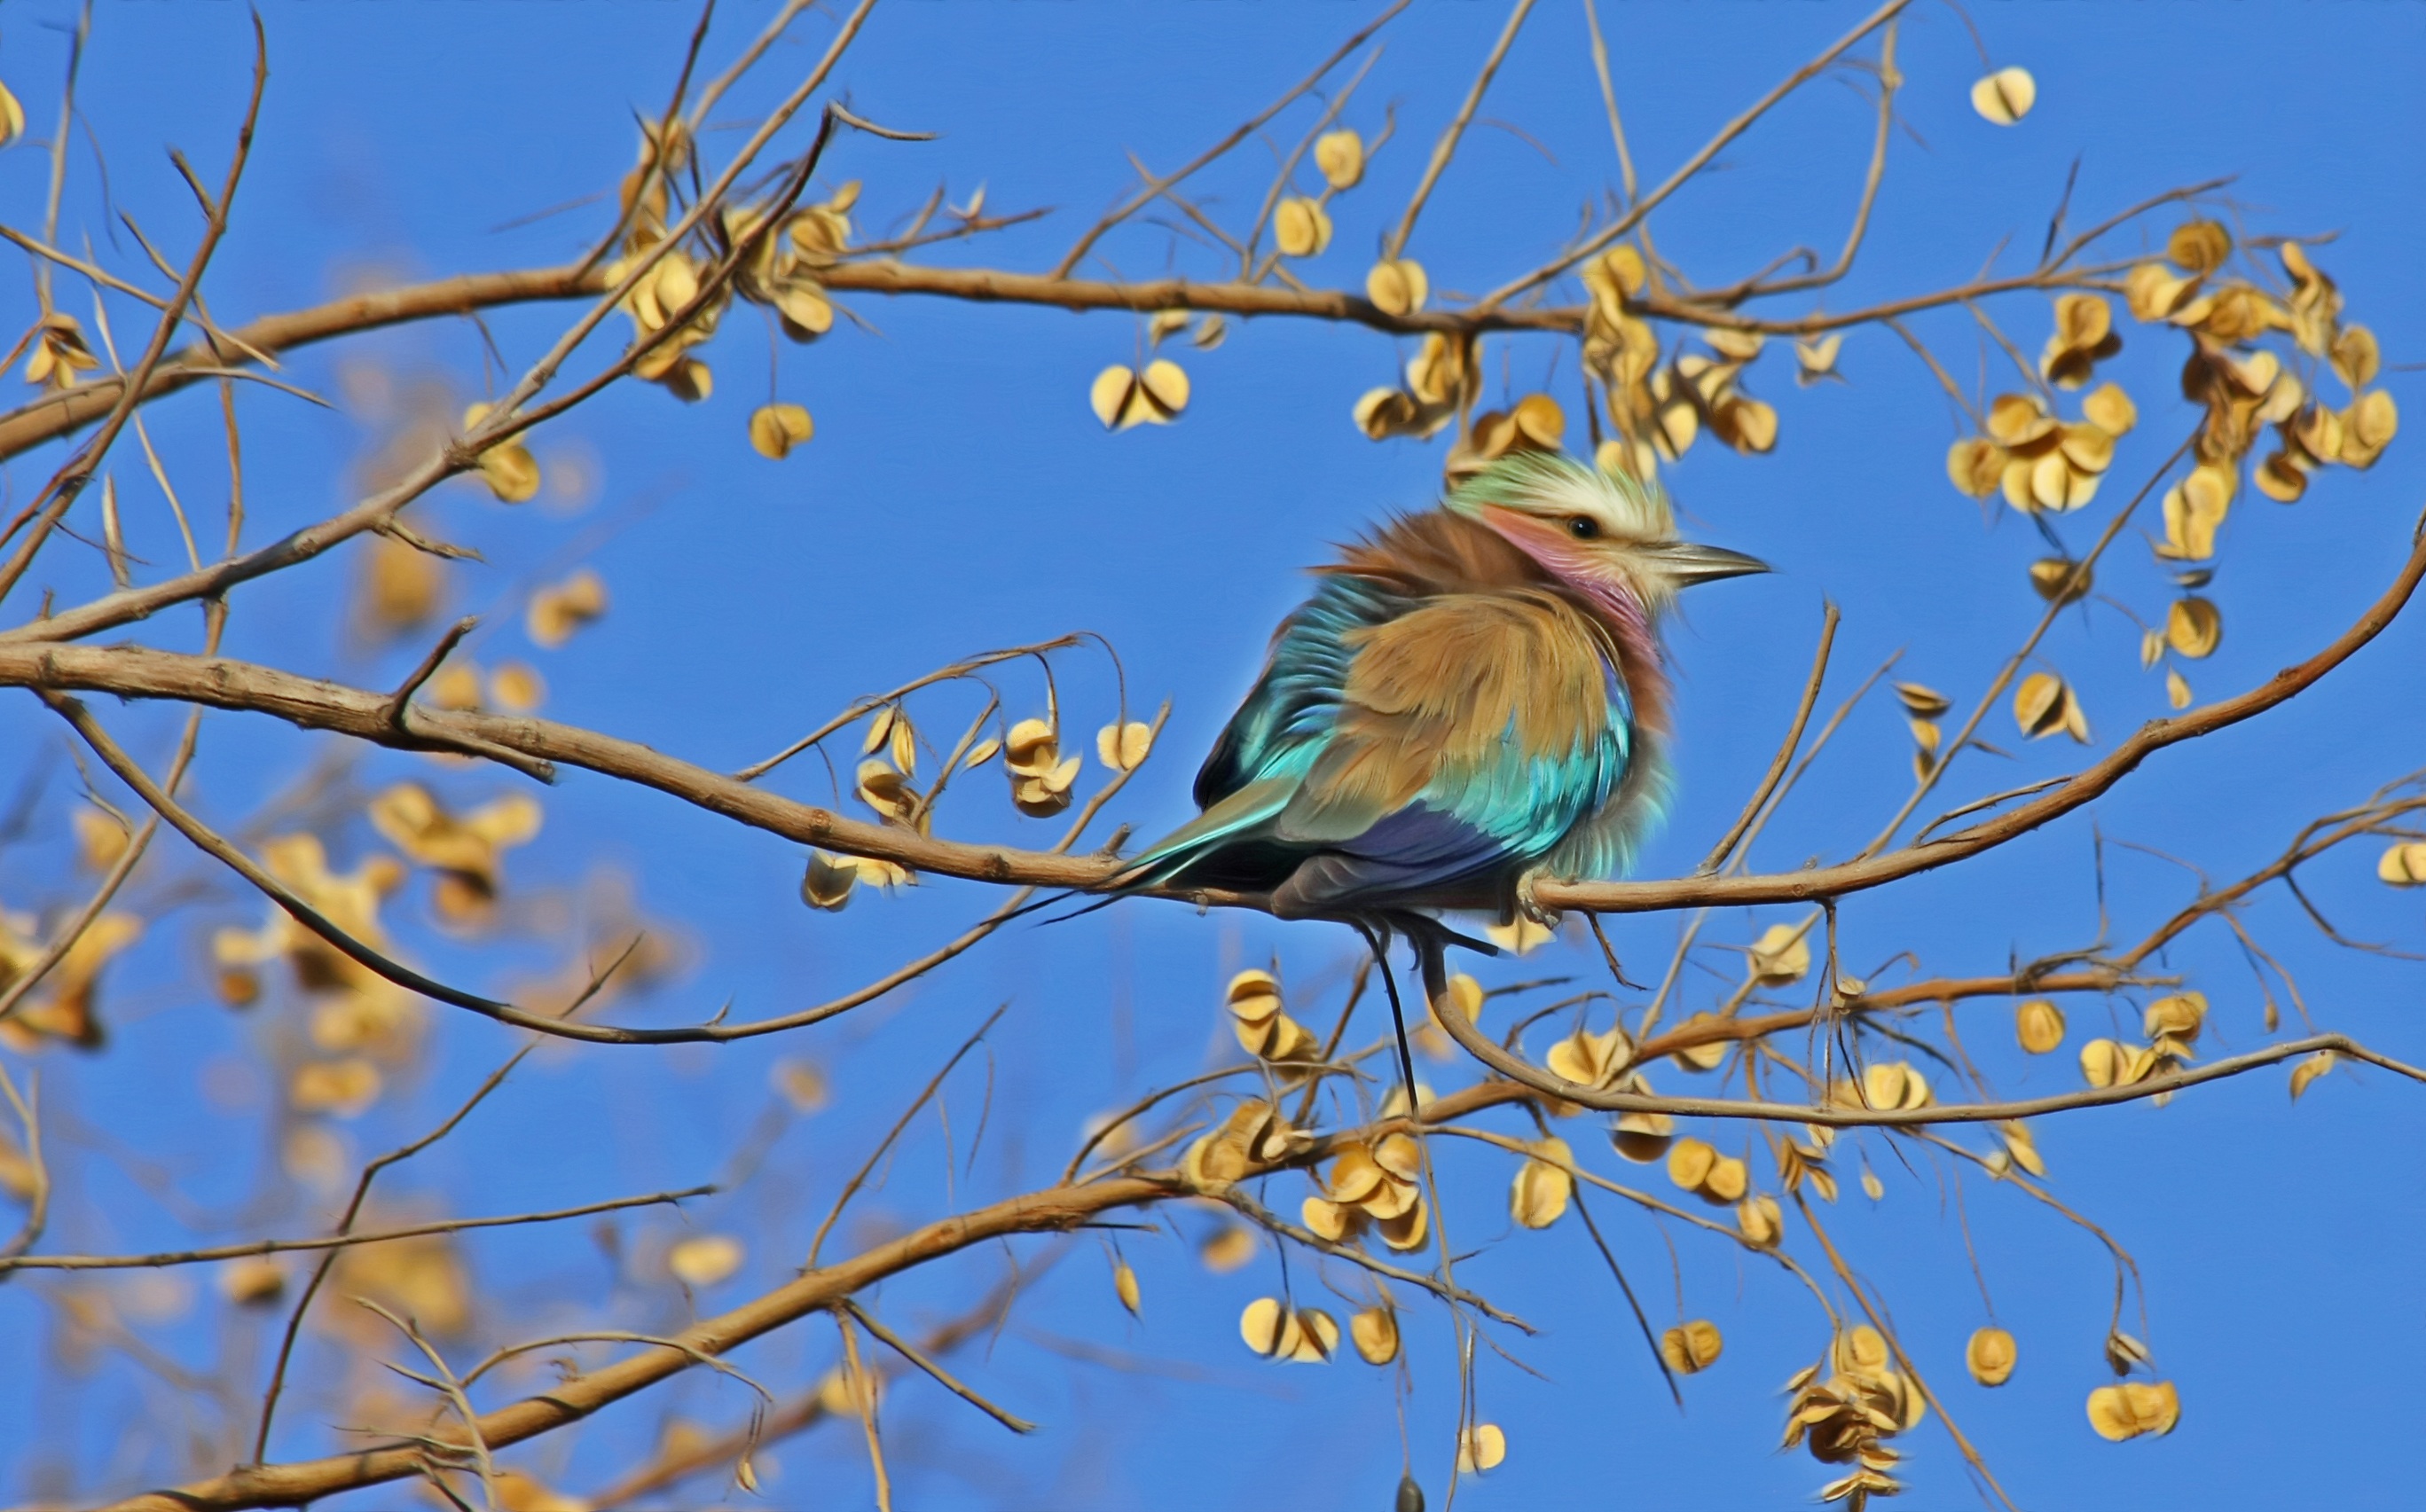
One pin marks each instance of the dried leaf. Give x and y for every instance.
(1690, 1162)
(1268, 1329)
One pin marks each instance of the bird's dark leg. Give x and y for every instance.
(1432, 941)
(1377, 936)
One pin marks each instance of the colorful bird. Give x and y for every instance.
(1472, 701)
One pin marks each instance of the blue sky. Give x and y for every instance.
(958, 496)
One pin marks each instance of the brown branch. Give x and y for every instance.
(72, 477)
(1725, 847)
(1155, 188)
(1551, 1083)
(1887, 1332)
(311, 703)
(370, 1173)
(942, 1377)
(47, 419)
(859, 1178)
(818, 1291)
(284, 1247)
(1691, 166)
(1447, 147)
(809, 1409)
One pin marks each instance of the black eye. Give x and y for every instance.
(1584, 528)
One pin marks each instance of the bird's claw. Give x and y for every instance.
(1529, 906)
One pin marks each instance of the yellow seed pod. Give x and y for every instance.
(1268, 1329)
(1782, 955)
(1862, 1348)
(1124, 1286)
(1480, 1448)
(1726, 1182)
(1691, 1347)
(2309, 1070)
(2060, 580)
(1690, 1162)
(776, 429)
(1643, 1137)
(1990, 1357)
(1760, 1220)
(2005, 96)
(1340, 156)
(2198, 246)
(1300, 228)
(2194, 627)
(1975, 464)
(2041, 704)
(1398, 287)
(1253, 997)
(1542, 1186)
(1375, 1332)
(2134, 1407)
(1229, 1247)
(1124, 746)
(2178, 1016)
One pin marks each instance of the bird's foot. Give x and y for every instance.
(1529, 906)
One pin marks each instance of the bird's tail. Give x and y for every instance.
(1241, 814)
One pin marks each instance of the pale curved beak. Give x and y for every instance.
(1688, 562)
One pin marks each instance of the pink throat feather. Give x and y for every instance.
(1611, 601)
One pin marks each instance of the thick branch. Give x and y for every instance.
(570, 1401)
(310, 703)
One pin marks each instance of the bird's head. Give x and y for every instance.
(1594, 530)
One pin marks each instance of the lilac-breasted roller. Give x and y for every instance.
(1473, 701)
